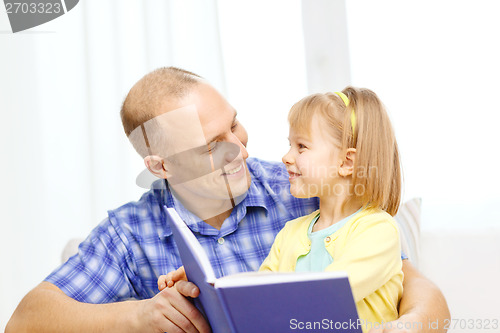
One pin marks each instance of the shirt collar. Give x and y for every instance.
(255, 197)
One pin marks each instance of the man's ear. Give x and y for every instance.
(156, 165)
(347, 166)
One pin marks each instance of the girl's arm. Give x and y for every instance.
(271, 263)
(423, 307)
(370, 255)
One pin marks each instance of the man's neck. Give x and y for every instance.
(218, 220)
(213, 212)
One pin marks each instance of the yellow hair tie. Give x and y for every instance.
(346, 102)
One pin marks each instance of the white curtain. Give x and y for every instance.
(65, 158)
(326, 45)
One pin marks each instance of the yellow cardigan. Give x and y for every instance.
(366, 247)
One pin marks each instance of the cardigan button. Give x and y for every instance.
(327, 239)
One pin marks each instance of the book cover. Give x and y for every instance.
(265, 302)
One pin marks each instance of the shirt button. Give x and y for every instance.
(327, 239)
(220, 241)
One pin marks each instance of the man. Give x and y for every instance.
(188, 135)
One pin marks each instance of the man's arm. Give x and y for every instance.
(47, 309)
(421, 306)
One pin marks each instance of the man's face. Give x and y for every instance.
(207, 161)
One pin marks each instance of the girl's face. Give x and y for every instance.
(313, 162)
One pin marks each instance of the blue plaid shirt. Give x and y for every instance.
(126, 253)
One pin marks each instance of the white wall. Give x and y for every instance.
(435, 66)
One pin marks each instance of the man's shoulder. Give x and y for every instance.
(147, 210)
(268, 171)
(270, 186)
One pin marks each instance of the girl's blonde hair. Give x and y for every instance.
(377, 170)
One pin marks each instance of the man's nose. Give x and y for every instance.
(232, 154)
(244, 151)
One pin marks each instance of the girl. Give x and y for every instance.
(343, 150)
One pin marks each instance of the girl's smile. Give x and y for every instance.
(293, 175)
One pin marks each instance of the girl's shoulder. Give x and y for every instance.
(376, 213)
(300, 222)
(371, 217)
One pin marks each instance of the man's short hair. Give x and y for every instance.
(150, 97)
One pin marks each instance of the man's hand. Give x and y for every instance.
(169, 311)
(405, 324)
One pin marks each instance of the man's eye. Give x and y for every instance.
(234, 127)
(211, 147)
(301, 146)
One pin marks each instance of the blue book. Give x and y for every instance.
(265, 302)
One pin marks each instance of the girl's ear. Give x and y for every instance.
(347, 166)
(156, 166)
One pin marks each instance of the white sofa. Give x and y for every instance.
(465, 264)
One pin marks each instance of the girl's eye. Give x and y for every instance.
(301, 146)
(234, 127)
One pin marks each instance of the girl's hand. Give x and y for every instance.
(171, 278)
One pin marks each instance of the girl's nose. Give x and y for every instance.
(287, 158)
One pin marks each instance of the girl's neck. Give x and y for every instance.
(331, 210)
